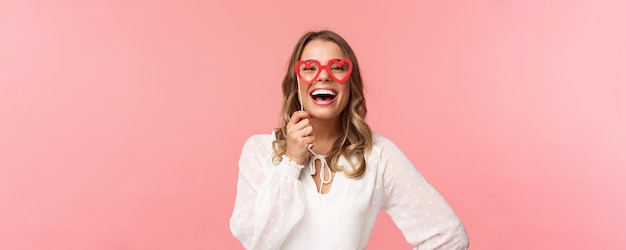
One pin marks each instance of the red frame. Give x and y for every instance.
(326, 67)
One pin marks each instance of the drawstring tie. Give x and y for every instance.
(323, 169)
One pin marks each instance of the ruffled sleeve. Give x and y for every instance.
(270, 198)
(420, 212)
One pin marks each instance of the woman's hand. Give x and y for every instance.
(299, 136)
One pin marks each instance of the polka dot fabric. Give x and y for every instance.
(278, 206)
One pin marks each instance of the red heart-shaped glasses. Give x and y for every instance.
(338, 70)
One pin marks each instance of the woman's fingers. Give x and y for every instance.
(299, 136)
(298, 116)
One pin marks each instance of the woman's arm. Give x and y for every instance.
(270, 199)
(419, 211)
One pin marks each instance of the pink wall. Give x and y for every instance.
(121, 122)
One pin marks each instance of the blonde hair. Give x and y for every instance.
(356, 139)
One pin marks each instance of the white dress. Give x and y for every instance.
(279, 207)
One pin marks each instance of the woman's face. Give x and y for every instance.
(324, 98)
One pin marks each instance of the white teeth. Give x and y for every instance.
(323, 92)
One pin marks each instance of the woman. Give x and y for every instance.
(321, 178)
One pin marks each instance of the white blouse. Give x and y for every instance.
(279, 207)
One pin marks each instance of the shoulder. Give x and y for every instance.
(260, 139)
(379, 139)
(382, 144)
(389, 158)
(385, 150)
(260, 143)
(255, 155)
(257, 150)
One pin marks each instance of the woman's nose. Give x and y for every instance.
(324, 77)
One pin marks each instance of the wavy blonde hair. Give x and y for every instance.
(356, 141)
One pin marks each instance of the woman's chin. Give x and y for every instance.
(324, 115)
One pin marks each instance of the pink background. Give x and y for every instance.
(121, 122)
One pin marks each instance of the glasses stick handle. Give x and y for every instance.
(300, 96)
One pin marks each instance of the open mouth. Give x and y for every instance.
(323, 96)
